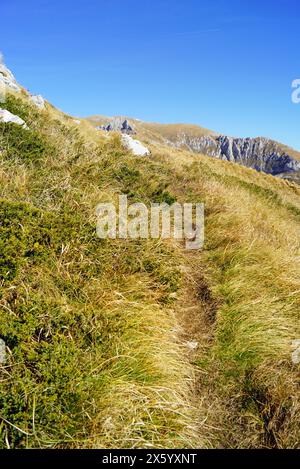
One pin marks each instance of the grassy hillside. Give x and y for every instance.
(171, 132)
(156, 132)
(98, 333)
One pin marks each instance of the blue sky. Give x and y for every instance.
(227, 65)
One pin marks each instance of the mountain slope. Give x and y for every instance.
(258, 153)
(139, 343)
(162, 133)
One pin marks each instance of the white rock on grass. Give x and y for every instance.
(38, 101)
(7, 117)
(192, 345)
(137, 148)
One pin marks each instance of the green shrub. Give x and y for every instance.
(137, 185)
(24, 144)
(27, 233)
(21, 108)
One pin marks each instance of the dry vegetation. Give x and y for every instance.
(98, 332)
(154, 132)
(251, 263)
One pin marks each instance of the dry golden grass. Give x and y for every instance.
(252, 264)
(121, 314)
(104, 311)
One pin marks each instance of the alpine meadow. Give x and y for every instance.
(127, 341)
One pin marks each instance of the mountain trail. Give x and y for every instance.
(196, 312)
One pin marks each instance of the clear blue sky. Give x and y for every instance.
(223, 64)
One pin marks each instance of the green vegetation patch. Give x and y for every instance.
(28, 234)
(26, 145)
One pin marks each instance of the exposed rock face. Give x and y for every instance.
(135, 146)
(38, 101)
(8, 117)
(8, 79)
(258, 153)
(118, 125)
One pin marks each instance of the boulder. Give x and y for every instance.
(8, 79)
(135, 146)
(38, 101)
(7, 117)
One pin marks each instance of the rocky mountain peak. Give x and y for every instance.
(118, 124)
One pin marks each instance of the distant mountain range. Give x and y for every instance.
(259, 153)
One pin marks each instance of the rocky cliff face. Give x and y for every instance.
(259, 153)
(8, 78)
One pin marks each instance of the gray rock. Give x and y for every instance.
(38, 101)
(8, 79)
(7, 117)
(118, 125)
(259, 153)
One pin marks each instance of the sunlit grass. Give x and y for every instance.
(97, 330)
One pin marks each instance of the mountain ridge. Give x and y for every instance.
(260, 153)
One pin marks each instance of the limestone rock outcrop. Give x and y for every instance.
(258, 153)
(7, 117)
(118, 125)
(135, 146)
(8, 78)
(38, 101)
